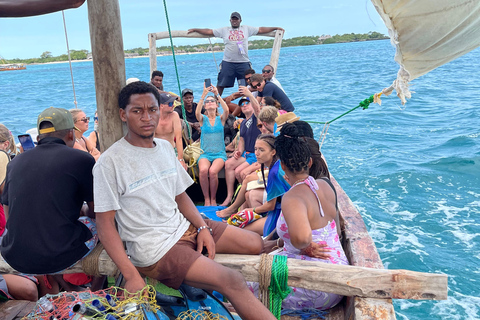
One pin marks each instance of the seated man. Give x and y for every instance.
(157, 79)
(268, 73)
(43, 197)
(190, 107)
(140, 185)
(169, 127)
(268, 89)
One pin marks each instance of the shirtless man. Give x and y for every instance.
(169, 127)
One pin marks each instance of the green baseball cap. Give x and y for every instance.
(60, 118)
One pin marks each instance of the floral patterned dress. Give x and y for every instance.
(302, 298)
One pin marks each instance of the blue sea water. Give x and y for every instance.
(412, 171)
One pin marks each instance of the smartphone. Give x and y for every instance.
(241, 82)
(208, 83)
(26, 141)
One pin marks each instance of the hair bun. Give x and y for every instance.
(290, 130)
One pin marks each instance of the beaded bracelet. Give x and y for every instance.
(204, 227)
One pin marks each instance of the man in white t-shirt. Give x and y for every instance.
(139, 183)
(235, 57)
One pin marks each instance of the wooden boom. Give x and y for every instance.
(343, 280)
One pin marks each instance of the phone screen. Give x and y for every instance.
(208, 83)
(241, 82)
(26, 141)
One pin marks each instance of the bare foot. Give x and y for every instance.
(226, 213)
(213, 202)
(226, 203)
(207, 203)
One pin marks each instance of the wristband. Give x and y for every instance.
(204, 227)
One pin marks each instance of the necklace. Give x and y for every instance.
(298, 182)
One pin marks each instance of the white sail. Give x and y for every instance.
(428, 34)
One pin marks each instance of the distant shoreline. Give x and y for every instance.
(181, 53)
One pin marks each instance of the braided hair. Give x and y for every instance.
(270, 140)
(292, 149)
(319, 168)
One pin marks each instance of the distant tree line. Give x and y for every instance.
(254, 44)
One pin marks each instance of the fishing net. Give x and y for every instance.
(111, 303)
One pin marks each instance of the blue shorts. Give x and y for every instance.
(250, 157)
(229, 71)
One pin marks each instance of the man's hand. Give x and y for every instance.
(191, 30)
(134, 285)
(196, 126)
(205, 239)
(317, 250)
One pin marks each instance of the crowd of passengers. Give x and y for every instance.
(284, 191)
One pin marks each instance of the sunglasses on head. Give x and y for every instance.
(86, 119)
(256, 85)
(266, 71)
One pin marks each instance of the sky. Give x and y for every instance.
(31, 36)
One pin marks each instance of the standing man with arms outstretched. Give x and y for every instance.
(139, 183)
(235, 57)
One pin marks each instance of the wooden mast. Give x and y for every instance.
(108, 66)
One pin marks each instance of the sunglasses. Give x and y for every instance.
(86, 119)
(95, 118)
(266, 71)
(259, 125)
(210, 100)
(247, 79)
(243, 104)
(170, 104)
(255, 86)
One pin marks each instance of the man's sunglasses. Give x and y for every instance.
(95, 118)
(255, 86)
(170, 104)
(86, 119)
(266, 71)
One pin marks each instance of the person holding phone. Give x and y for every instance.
(7, 141)
(235, 57)
(213, 158)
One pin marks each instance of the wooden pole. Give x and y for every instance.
(343, 280)
(108, 66)
(277, 44)
(152, 52)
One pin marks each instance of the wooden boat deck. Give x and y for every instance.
(359, 248)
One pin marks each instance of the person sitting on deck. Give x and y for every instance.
(244, 154)
(157, 79)
(43, 198)
(163, 231)
(268, 74)
(169, 127)
(93, 137)
(307, 218)
(190, 107)
(12, 286)
(213, 158)
(268, 89)
(81, 122)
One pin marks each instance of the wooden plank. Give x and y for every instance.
(108, 66)
(15, 309)
(152, 52)
(361, 251)
(184, 34)
(277, 44)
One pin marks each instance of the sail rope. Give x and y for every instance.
(326, 125)
(213, 53)
(187, 126)
(69, 61)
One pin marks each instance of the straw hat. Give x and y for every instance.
(288, 117)
(4, 160)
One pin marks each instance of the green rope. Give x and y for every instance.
(364, 105)
(278, 289)
(176, 71)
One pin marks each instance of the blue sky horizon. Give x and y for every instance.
(31, 36)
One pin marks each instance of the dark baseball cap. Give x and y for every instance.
(166, 98)
(236, 15)
(185, 91)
